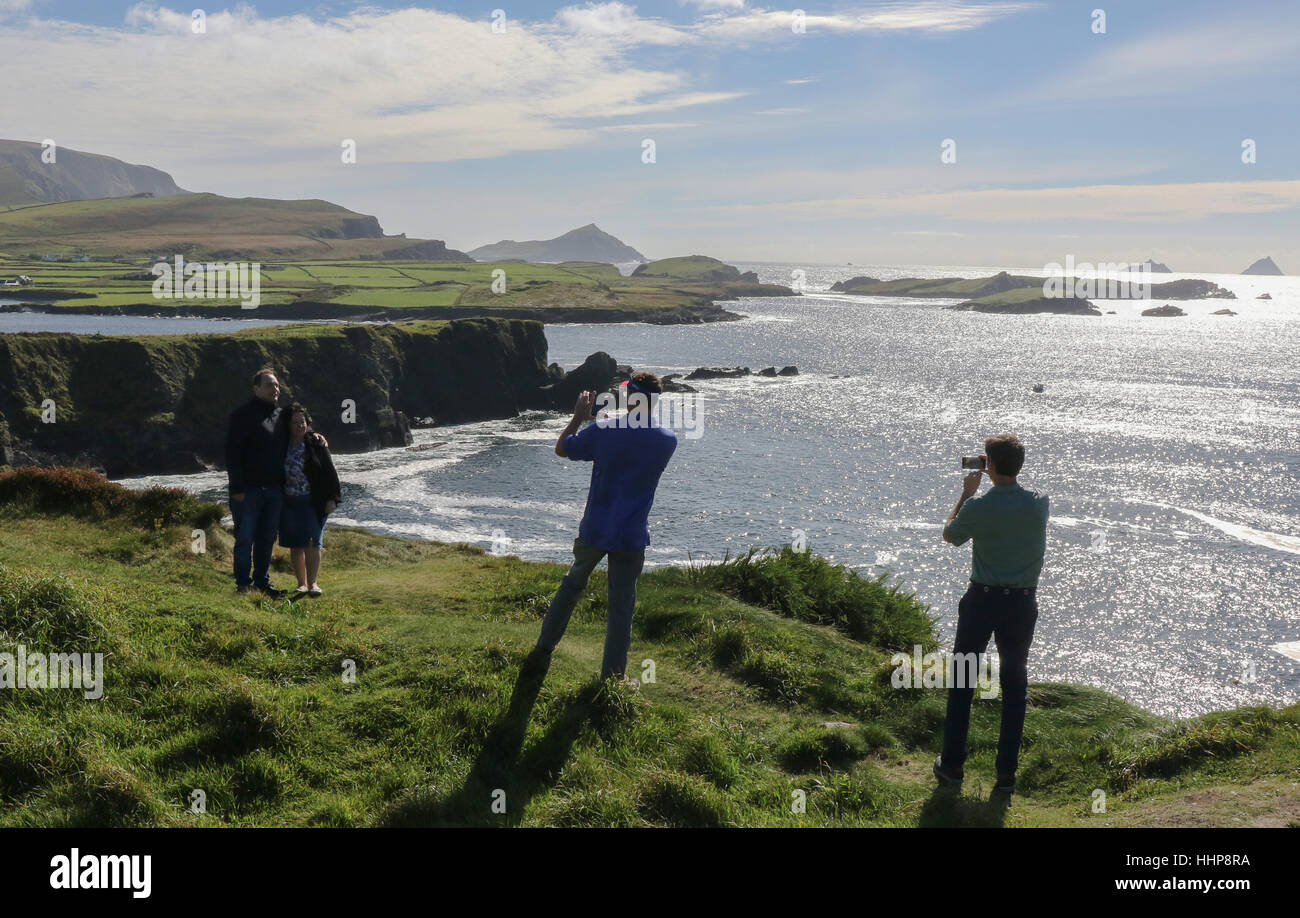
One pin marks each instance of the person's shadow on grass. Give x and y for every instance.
(503, 776)
(948, 808)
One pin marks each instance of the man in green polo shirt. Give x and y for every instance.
(1008, 524)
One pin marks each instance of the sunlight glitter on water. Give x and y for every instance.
(1170, 449)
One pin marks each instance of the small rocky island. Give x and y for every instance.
(738, 372)
(1027, 302)
(1167, 310)
(1019, 293)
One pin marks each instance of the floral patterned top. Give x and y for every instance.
(295, 480)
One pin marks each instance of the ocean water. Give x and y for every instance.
(1170, 448)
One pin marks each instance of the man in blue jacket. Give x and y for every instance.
(628, 454)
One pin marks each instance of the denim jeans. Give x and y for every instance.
(624, 568)
(257, 522)
(1008, 616)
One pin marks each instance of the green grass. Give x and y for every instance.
(762, 692)
(686, 267)
(338, 286)
(939, 286)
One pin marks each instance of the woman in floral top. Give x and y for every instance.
(311, 493)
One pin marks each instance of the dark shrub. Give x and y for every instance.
(86, 494)
(808, 587)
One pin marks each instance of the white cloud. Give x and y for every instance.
(408, 85)
(1172, 203)
(619, 21)
(283, 92)
(715, 4)
(647, 127)
(1175, 61)
(901, 15)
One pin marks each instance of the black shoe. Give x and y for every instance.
(273, 592)
(1006, 784)
(244, 588)
(946, 777)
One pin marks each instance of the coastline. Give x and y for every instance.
(693, 314)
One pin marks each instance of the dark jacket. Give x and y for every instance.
(319, 469)
(255, 447)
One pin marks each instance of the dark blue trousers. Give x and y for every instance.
(1008, 616)
(624, 569)
(257, 522)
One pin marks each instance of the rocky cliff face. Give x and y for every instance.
(159, 405)
(425, 250)
(353, 228)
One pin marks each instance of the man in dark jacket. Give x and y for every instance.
(255, 467)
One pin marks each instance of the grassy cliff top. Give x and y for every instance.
(771, 676)
(685, 267)
(358, 289)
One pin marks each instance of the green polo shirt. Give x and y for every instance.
(1009, 526)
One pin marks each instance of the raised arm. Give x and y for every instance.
(581, 414)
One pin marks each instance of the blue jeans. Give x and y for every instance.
(624, 569)
(257, 522)
(1008, 616)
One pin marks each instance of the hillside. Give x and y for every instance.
(206, 226)
(771, 677)
(73, 176)
(586, 243)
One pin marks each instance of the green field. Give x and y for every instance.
(344, 288)
(772, 679)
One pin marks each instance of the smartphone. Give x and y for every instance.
(973, 462)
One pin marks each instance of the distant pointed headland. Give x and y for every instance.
(586, 243)
(1265, 265)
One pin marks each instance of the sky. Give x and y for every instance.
(1103, 131)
